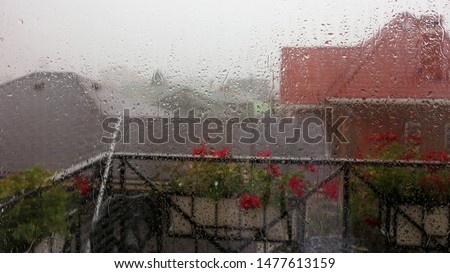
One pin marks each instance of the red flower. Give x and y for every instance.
(414, 138)
(310, 167)
(82, 184)
(200, 151)
(372, 221)
(375, 137)
(331, 189)
(435, 156)
(360, 155)
(221, 153)
(264, 153)
(390, 136)
(297, 185)
(408, 156)
(432, 178)
(434, 181)
(274, 170)
(381, 146)
(249, 201)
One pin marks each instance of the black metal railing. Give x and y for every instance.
(125, 183)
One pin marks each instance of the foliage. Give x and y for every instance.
(423, 185)
(364, 217)
(35, 217)
(394, 185)
(30, 179)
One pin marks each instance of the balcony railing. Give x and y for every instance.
(121, 175)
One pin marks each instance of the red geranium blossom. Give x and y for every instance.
(415, 138)
(249, 201)
(331, 189)
(264, 153)
(200, 151)
(221, 153)
(360, 155)
(434, 178)
(434, 181)
(375, 137)
(297, 185)
(408, 156)
(388, 136)
(274, 170)
(435, 156)
(381, 146)
(82, 184)
(310, 167)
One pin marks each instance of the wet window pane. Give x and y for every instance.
(190, 126)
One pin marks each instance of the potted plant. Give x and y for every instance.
(413, 196)
(234, 199)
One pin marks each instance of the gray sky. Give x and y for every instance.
(188, 40)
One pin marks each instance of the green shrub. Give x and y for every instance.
(36, 217)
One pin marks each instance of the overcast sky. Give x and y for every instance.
(188, 40)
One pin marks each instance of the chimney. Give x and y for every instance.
(431, 32)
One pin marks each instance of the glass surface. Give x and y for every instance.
(248, 126)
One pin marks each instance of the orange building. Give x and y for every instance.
(398, 80)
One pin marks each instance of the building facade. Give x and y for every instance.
(398, 80)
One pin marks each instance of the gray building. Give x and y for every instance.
(54, 119)
(48, 118)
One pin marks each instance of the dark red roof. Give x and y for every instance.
(408, 58)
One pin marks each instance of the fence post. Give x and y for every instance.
(163, 225)
(122, 174)
(346, 207)
(448, 229)
(387, 226)
(109, 180)
(301, 222)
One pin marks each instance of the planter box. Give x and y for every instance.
(225, 219)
